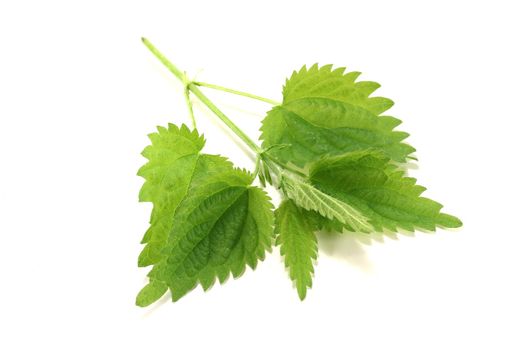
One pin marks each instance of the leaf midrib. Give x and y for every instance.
(214, 223)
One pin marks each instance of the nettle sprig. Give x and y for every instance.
(337, 160)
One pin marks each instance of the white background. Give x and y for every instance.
(79, 93)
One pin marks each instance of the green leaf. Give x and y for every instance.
(327, 225)
(326, 112)
(309, 197)
(369, 182)
(195, 194)
(171, 156)
(296, 236)
(220, 228)
(174, 167)
(336, 85)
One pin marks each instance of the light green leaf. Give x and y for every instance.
(336, 85)
(367, 181)
(153, 291)
(296, 236)
(325, 112)
(174, 167)
(171, 159)
(308, 197)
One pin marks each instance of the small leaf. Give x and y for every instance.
(295, 235)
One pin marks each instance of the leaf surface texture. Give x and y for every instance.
(368, 181)
(326, 112)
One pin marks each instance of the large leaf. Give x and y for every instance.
(206, 222)
(219, 230)
(326, 112)
(174, 167)
(367, 181)
(296, 237)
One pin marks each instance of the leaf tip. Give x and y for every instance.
(152, 292)
(449, 221)
(301, 292)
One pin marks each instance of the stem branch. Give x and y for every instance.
(187, 83)
(273, 163)
(197, 92)
(236, 92)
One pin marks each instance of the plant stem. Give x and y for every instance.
(190, 106)
(257, 167)
(197, 92)
(247, 140)
(273, 163)
(236, 92)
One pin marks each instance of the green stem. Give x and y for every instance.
(236, 92)
(190, 109)
(190, 106)
(197, 92)
(257, 167)
(247, 140)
